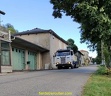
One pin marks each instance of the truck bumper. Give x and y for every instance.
(64, 65)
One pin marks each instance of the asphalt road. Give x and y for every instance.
(65, 82)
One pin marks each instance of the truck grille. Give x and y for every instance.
(62, 60)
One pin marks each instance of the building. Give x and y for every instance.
(29, 50)
(26, 55)
(39, 44)
(85, 58)
(79, 56)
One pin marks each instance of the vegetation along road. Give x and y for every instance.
(64, 82)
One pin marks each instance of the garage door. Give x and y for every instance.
(33, 61)
(18, 59)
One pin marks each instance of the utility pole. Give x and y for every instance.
(1, 13)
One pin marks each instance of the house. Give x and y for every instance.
(85, 58)
(47, 40)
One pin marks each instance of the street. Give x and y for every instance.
(64, 82)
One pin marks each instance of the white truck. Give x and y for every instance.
(64, 58)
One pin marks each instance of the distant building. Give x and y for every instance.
(79, 56)
(85, 59)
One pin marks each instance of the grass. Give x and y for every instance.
(99, 84)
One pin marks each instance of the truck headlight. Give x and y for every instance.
(57, 62)
(69, 62)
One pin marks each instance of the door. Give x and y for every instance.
(33, 61)
(18, 59)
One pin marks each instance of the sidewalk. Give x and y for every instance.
(2, 74)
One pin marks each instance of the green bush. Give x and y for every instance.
(101, 70)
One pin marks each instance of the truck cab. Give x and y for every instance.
(64, 58)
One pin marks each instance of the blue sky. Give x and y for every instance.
(28, 14)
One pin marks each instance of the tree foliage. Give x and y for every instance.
(93, 15)
(72, 45)
(10, 27)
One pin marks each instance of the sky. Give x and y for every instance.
(29, 14)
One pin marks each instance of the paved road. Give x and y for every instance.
(64, 82)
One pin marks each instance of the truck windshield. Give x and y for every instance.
(63, 53)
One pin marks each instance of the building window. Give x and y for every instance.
(5, 53)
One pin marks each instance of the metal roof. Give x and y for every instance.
(25, 44)
(38, 31)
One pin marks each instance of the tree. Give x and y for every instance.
(98, 58)
(93, 15)
(10, 27)
(72, 45)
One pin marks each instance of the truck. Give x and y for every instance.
(64, 58)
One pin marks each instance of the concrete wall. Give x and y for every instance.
(39, 61)
(41, 39)
(6, 69)
(46, 60)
